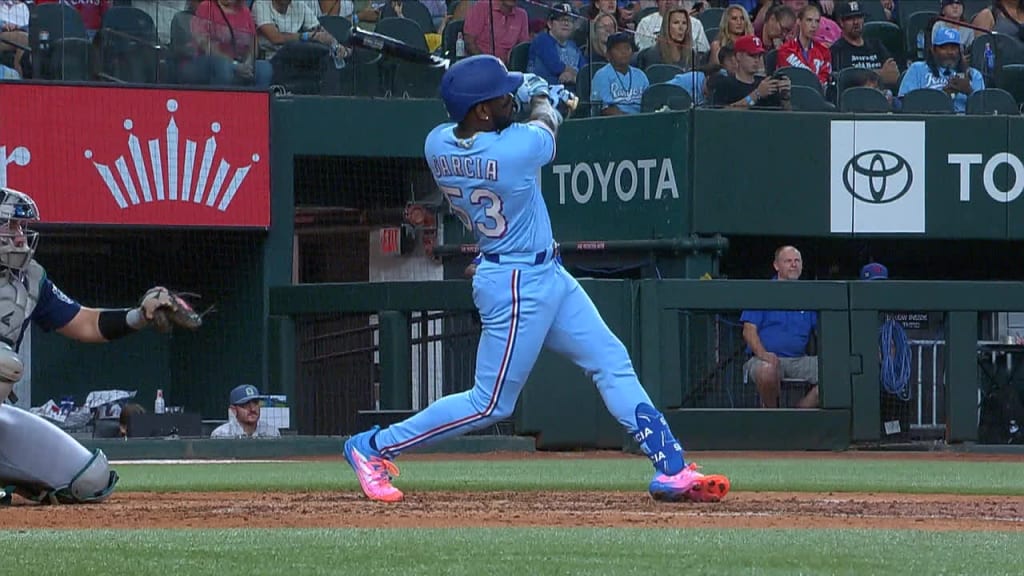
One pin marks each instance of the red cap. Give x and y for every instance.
(749, 45)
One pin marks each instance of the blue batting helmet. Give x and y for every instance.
(474, 80)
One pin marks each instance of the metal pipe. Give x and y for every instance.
(695, 244)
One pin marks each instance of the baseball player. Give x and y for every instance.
(488, 166)
(38, 460)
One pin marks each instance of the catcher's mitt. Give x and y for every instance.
(166, 309)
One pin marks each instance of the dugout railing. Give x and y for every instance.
(663, 323)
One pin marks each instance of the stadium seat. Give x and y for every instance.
(917, 23)
(450, 37)
(1006, 49)
(586, 108)
(129, 47)
(658, 96)
(801, 77)
(992, 101)
(658, 73)
(862, 99)
(404, 30)
(62, 23)
(711, 18)
(1011, 79)
(873, 11)
(519, 57)
(889, 34)
(412, 10)
(807, 99)
(927, 101)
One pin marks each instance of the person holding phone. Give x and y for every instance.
(745, 89)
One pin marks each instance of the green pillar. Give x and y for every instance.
(396, 364)
(961, 376)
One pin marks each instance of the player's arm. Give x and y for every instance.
(543, 113)
(58, 312)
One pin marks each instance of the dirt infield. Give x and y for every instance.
(525, 509)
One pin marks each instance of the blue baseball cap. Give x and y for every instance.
(874, 271)
(244, 394)
(943, 36)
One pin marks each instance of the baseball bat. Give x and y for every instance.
(356, 38)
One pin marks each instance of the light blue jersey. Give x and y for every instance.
(492, 181)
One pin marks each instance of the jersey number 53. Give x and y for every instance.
(494, 225)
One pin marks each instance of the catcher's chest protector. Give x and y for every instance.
(18, 298)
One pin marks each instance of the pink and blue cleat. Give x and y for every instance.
(689, 485)
(373, 470)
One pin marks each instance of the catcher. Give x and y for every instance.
(38, 460)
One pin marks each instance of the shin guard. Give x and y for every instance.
(657, 441)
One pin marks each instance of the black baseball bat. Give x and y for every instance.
(354, 37)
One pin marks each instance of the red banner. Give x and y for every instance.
(138, 156)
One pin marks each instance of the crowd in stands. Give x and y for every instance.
(620, 56)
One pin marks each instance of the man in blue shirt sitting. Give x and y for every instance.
(554, 56)
(777, 341)
(944, 69)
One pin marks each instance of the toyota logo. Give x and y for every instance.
(877, 176)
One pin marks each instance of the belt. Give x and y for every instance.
(524, 258)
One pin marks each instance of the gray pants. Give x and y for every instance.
(800, 368)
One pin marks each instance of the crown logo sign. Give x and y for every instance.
(173, 180)
(19, 156)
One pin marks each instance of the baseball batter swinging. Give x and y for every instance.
(38, 460)
(489, 169)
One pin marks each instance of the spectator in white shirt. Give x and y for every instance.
(244, 416)
(649, 27)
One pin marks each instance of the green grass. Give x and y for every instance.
(626, 474)
(513, 551)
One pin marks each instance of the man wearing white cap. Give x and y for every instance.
(244, 421)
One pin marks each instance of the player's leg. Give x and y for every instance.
(580, 334)
(516, 310)
(45, 463)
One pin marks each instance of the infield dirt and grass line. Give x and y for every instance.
(973, 503)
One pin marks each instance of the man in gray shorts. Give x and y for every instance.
(777, 341)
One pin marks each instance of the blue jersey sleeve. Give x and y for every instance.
(914, 78)
(601, 88)
(536, 140)
(55, 308)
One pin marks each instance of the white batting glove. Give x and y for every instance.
(532, 85)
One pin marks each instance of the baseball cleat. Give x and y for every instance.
(689, 486)
(373, 470)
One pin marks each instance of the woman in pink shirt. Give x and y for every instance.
(225, 39)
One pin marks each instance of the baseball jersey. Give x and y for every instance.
(492, 181)
(816, 58)
(33, 298)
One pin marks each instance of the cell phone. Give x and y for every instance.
(778, 76)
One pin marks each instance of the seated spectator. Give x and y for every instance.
(954, 10)
(1003, 17)
(804, 51)
(944, 69)
(734, 24)
(601, 28)
(649, 27)
(553, 54)
(698, 82)
(728, 61)
(279, 22)
(438, 13)
(777, 340)
(130, 409)
(619, 86)
(609, 7)
(864, 78)
(244, 416)
(225, 40)
(855, 51)
(674, 45)
(827, 33)
(779, 27)
(91, 11)
(511, 27)
(13, 28)
(743, 89)
(343, 8)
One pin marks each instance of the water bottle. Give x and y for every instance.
(460, 47)
(339, 60)
(990, 60)
(158, 406)
(44, 40)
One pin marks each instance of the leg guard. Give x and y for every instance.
(46, 464)
(657, 441)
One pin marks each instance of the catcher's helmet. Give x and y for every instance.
(17, 242)
(474, 80)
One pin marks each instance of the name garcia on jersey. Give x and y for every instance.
(465, 167)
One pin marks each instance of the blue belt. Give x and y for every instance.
(537, 259)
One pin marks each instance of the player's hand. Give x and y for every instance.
(532, 85)
(562, 99)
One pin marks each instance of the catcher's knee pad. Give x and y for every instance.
(93, 483)
(656, 440)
